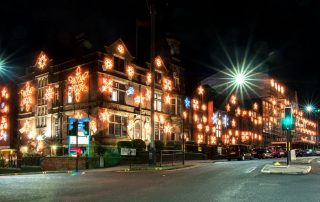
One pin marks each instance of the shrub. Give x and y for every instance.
(159, 145)
(124, 144)
(111, 159)
(177, 145)
(139, 145)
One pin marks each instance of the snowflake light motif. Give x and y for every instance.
(158, 61)
(120, 48)
(167, 128)
(49, 94)
(25, 128)
(26, 97)
(148, 94)
(42, 61)
(107, 85)
(195, 104)
(130, 90)
(108, 63)
(130, 71)
(167, 84)
(148, 78)
(104, 116)
(78, 82)
(187, 103)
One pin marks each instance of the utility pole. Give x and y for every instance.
(152, 152)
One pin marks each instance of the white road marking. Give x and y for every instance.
(250, 169)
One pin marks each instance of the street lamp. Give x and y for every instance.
(185, 114)
(309, 108)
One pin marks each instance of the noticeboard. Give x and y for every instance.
(128, 152)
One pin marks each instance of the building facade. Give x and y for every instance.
(107, 89)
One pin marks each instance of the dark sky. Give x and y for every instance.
(284, 33)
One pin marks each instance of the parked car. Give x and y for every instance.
(317, 152)
(309, 152)
(277, 151)
(262, 153)
(240, 152)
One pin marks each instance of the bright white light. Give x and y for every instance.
(240, 79)
(309, 108)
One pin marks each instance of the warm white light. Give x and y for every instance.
(240, 79)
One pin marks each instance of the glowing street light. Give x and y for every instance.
(309, 108)
(240, 79)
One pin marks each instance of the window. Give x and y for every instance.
(70, 94)
(173, 106)
(158, 77)
(41, 84)
(118, 93)
(176, 82)
(119, 64)
(41, 119)
(158, 130)
(157, 102)
(118, 126)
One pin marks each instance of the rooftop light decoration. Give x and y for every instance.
(26, 97)
(120, 49)
(200, 90)
(78, 82)
(49, 93)
(42, 61)
(158, 61)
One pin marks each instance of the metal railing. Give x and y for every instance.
(171, 156)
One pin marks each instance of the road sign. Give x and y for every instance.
(128, 152)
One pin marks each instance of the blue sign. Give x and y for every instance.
(187, 103)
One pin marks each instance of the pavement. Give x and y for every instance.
(126, 168)
(296, 167)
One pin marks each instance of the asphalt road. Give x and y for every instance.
(219, 181)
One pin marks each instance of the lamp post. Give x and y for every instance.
(185, 114)
(152, 10)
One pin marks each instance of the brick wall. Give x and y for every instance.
(62, 163)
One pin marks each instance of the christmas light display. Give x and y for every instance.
(120, 48)
(42, 61)
(167, 99)
(195, 104)
(104, 116)
(49, 94)
(108, 63)
(148, 94)
(148, 78)
(107, 85)
(93, 126)
(158, 61)
(130, 71)
(4, 93)
(167, 128)
(26, 97)
(78, 83)
(167, 84)
(200, 90)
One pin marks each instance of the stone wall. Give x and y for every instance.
(62, 163)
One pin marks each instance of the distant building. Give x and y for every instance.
(105, 88)
(270, 98)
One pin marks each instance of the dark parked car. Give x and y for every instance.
(240, 152)
(262, 153)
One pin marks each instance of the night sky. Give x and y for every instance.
(284, 34)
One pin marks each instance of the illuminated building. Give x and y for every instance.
(260, 120)
(105, 88)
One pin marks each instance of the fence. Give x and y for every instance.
(171, 156)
